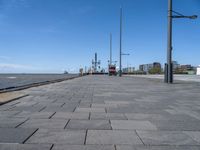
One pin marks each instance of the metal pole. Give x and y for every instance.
(110, 49)
(169, 45)
(95, 62)
(120, 50)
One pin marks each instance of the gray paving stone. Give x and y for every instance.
(60, 109)
(42, 115)
(6, 107)
(132, 125)
(106, 137)
(25, 146)
(50, 104)
(83, 147)
(194, 135)
(140, 116)
(15, 135)
(84, 104)
(58, 137)
(177, 125)
(25, 103)
(165, 138)
(90, 109)
(116, 103)
(27, 108)
(131, 147)
(8, 113)
(45, 123)
(107, 116)
(89, 124)
(11, 122)
(71, 115)
(96, 105)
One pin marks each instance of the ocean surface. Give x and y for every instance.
(16, 80)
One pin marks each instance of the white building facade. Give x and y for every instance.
(198, 70)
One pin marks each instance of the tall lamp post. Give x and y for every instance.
(120, 45)
(169, 65)
(110, 48)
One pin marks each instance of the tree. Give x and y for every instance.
(155, 70)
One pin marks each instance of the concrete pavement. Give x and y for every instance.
(187, 78)
(104, 113)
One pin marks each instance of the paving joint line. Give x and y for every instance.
(126, 118)
(52, 115)
(106, 110)
(140, 138)
(51, 147)
(89, 116)
(16, 113)
(115, 147)
(35, 104)
(67, 124)
(30, 136)
(15, 104)
(110, 124)
(74, 109)
(62, 105)
(42, 108)
(21, 123)
(85, 137)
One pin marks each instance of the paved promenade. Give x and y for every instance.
(104, 113)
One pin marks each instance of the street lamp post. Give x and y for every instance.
(110, 48)
(120, 45)
(169, 65)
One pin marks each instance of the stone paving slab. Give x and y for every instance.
(83, 147)
(90, 109)
(175, 125)
(5, 114)
(58, 137)
(67, 108)
(25, 103)
(194, 135)
(27, 108)
(85, 104)
(132, 125)
(89, 124)
(131, 147)
(71, 115)
(39, 115)
(107, 116)
(25, 146)
(13, 135)
(11, 122)
(110, 137)
(45, 123)
(166, 138)
(6, 107)
(140, 116)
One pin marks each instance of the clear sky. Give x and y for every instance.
(50, 36)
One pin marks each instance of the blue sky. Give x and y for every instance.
(49, 36)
